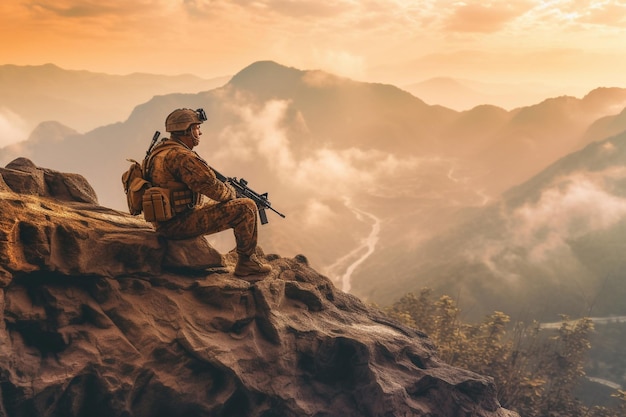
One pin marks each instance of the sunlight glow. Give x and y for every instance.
(396, 41)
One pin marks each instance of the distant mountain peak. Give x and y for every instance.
(600, 96)
(264, 68)
(267, 73)
(51, 131)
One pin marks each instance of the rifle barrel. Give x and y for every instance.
(241, 186)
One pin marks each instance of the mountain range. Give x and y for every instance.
(551, 245)
(83, 100)
(464, 94)
(387, 194)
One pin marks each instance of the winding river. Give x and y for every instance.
(342, 269)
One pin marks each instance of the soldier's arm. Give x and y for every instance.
(201, 179)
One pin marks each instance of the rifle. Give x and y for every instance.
(242, 189)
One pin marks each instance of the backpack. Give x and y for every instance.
(156, 203)
(134, 187)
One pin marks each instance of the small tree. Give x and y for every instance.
(415, 311)
(447, 335)
(563, 366)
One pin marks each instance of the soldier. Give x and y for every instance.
(174, 165)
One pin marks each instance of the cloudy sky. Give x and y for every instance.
(575, 42)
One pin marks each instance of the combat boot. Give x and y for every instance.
(250, 265)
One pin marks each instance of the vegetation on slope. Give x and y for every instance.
(537, 371)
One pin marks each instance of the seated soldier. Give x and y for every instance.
(173, 164)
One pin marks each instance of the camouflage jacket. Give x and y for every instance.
(176, 163)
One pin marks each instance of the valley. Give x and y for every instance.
(340, 272)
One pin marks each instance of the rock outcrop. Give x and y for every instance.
(101, 317)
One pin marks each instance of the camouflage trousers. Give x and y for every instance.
(238, 214)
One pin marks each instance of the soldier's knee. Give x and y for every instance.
(248, 205)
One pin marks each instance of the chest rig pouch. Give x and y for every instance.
(162, 203)
(156, 205)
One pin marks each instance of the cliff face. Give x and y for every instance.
(100, 317)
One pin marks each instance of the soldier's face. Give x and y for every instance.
(195, 134)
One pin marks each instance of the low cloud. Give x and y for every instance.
(270, 136)
(540, 233)
(12, 128)
(262, 133)
(580, 204)
(258, 133)
(343, 171)
(316, 213)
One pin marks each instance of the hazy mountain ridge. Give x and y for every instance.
(340, 110)
(81, 99)
(606, 126)
(535, 136)
(556, 242)
(462, 94)
(342, 158)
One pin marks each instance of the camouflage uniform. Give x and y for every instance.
(180, 164)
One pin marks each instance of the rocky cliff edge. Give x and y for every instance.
(101, 317)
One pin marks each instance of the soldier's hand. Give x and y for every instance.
(233, 192)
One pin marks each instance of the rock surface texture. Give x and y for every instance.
(100, 317)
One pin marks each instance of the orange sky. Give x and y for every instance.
(566, 42)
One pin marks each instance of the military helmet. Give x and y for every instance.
(179, 120)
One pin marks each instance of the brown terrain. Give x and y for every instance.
(100, 317)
